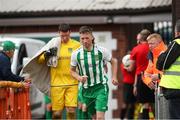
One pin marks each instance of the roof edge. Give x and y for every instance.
(125, 11)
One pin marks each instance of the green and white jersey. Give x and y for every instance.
(91, 63)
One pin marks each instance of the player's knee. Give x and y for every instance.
(80, 106)
(100, 117)
(84, 107)
(56, 115)
(93, 117)
(71, 109)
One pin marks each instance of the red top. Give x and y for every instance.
(139, 54)
(128, 77)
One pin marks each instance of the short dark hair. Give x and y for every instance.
(144, 34)
(85, 29)
(64, 27)
(177, 26)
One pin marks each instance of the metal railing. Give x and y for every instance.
(14, 101)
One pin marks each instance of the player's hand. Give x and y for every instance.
(50, 52)
(83, 78)
(25, 84)
(115, 81)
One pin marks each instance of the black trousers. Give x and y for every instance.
(174, 108)
(173, 98)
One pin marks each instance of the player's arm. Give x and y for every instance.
(73, 71)
(114, 65)
(114, 71)
(75, 75)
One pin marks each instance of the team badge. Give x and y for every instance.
(70, 50)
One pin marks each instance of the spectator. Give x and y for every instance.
(157, 46)
(169, 63)
(6, 54)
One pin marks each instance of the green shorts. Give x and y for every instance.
(96, 98)
(80, 96)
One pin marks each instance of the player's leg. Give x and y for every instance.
(57, 97)
(71, 97)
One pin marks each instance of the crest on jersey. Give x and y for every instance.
(70, 50)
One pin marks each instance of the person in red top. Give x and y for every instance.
(139, 61)
(127, 110)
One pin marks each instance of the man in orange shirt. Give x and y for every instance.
(157, 46)
(152, 75)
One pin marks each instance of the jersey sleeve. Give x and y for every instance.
(74, 59)
(107, 55)
(148, 72)
(133, 54)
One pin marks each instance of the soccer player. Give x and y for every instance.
(89, 59)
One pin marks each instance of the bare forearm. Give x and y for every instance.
(114, 67)
(75, 75)
(81, 79)
(135, 81)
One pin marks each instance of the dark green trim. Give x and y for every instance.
(100, 67)
(87, 67)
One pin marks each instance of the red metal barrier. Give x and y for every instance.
(14, 101)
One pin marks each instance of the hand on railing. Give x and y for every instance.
(26, 83)
(14, 84)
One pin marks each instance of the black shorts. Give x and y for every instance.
(144, 93)
(128, 95)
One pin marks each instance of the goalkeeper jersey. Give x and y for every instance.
(60, 75)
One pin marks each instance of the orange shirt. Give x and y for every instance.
(151, 68)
